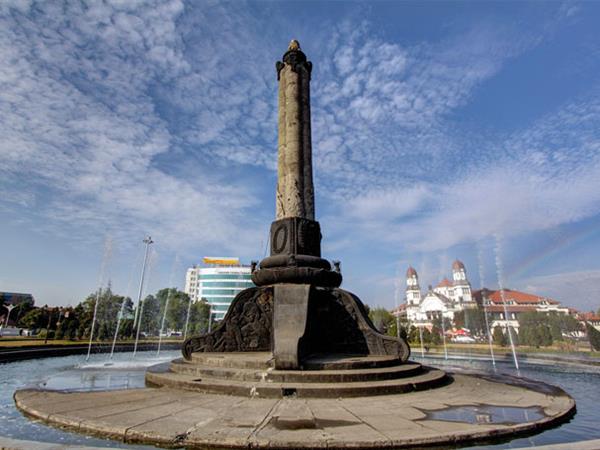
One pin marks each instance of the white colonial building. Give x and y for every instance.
(442, 301)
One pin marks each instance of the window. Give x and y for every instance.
(226, 276)
(220, 291)
(227, 284)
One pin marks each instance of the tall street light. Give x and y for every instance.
(137, 323)
(10, 308)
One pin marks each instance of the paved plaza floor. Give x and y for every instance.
(471, 407)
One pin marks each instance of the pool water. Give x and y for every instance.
(73, 373)
(487, 414)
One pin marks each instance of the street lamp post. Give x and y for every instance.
(137, 321)
(10, 308)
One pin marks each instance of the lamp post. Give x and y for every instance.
(10, 308)
(137, 321)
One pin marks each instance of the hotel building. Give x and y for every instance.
(217, 282)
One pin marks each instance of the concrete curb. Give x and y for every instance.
(7, 356)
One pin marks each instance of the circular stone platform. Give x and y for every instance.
(327, 376)
(459, 409)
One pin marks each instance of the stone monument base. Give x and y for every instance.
(295, 321)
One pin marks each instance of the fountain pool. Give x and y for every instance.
(74, 373)
(70, 373)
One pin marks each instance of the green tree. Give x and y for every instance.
(176, 303)
(426, 334)
(393, 328)
(459, 319)
(382, 319)
(567, 324)
(150, 320)
(535, 330)
(35, 319)
(436, 335)
(65, 322)
(499, 337)
(413, 335)
(593, 336)
(107, 312)
(198, 318)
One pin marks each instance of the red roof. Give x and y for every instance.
(411, 272)
(589, 316)
(510, 308)
(444, 283)
(399, 309)
(520, 298)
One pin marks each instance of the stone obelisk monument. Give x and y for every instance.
(297, 308)
(295, 193)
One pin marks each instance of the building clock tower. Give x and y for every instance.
(413, 290)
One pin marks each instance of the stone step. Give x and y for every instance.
(304, 376)
(348, 362)
(264, 360)
(239, 360)
(428, 379)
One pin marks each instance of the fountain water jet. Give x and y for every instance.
(187, 318)
(497, 251)
(483, 301)
(397, 284)
(162, 325)
(106, 254)
(122, 309)
(444, 336)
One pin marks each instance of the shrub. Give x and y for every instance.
(498, 337)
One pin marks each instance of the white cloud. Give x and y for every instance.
(101, 106)
(82, 134)
(577, 289)
(537, 179)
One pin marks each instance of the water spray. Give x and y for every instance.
(497, 250)
(106, 255)
(170, 292)
(483, 301)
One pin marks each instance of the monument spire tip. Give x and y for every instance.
(294, 45)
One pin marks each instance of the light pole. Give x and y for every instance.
(10, 308)
(137, 322)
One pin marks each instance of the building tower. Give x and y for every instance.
(462, 287)
(413, 290)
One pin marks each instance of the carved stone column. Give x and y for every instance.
(295, 193)
(295, 235)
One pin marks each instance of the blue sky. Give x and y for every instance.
(440, 131)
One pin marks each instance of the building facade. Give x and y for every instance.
(502, 307)
(505, 306)
(217, 282)
(439, 302)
